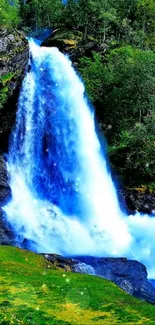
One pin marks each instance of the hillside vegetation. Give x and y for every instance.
(119, 73)
(33, 292)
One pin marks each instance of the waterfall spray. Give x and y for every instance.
(63, 197)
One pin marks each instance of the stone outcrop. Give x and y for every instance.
(13, 61)
(70, 42)
(129, 275)
(5, 191)
(137, 200)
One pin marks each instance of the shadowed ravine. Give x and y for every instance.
(63, 197)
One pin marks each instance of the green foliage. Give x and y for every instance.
(6, 78)
(121, 84)
(4, 88)
(42, 13)
(33, 292)
(93, 73)
(119, 74)
(9, 13)
(3, 96)
(146, 18)
(136, 151)
(91, 17)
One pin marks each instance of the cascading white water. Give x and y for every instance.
(63, 198)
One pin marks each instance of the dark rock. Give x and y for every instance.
(13, 61)
(60, 262)
(152, 281)
(146, 292)
(26, 243)
(71, 43)
(135, 200)
(6, 233)
(5, 191)
(129, 275)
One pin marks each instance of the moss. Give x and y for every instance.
(3, 96)
(148, 188)
(64, 39)
(33, 292)
(6, 78)
(4, 85)
(70, 42)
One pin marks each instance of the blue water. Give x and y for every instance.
(63, 197)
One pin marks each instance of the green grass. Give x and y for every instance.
(33, 292)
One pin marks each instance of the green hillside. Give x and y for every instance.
(33, 292)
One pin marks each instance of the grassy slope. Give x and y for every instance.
(32, 292)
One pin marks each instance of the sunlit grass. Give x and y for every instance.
(33, 292)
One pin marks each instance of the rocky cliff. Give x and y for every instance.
(129, 275)
(13, 62)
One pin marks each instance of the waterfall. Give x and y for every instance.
(63, 197)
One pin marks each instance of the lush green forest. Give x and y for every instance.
(119, 74)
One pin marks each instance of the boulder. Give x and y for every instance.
(71, 42)
(129, 275)
(135, 200)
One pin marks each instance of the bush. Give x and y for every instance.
(9, 13)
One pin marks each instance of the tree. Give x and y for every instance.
(9, 13)
(146, 18)
(71, 14)
(122, 87)
(42, 13)
(134, 156)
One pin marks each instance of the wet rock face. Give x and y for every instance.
(60, 262)
(142, 202)
(129, 275)
(5, 192)
(13, 55)
(70, 42)
(6, 234)
(13, 62)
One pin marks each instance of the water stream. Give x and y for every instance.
(63, 197)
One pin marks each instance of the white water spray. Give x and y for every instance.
(63, 198)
